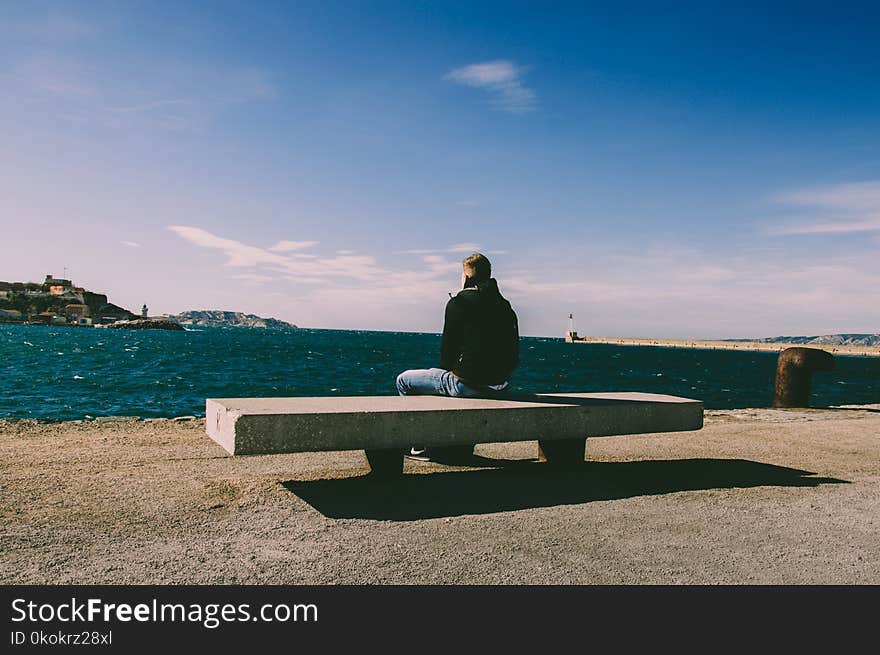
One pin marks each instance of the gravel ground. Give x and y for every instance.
(756, 496)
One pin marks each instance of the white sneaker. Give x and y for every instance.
(418, 453)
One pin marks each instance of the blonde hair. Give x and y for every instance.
(477, 267)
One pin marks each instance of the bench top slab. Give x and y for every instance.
(287, 425)
(357, 404)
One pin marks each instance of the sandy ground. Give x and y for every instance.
(756, 496)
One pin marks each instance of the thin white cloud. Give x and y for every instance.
(305, 279)
(438, 264)
(502, 79)
(853, 196)
(464, 247)
(833, 209)
(362, 267)
(457, 248)
(131, 244)
(345, 252)
(252, 277)
(287, 246)
(832, 227)
(238, 254)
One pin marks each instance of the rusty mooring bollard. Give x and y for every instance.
(794, 370)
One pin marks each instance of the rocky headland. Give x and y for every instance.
(218, 318)
(57, 301)
(824, 340)
(153, 323)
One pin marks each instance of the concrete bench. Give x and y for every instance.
(384, 426)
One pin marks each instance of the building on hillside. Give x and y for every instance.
(75, 311)
(47, 318)
(57, 285)
(57, 280)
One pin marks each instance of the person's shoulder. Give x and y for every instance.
(460, 301)
(454, 301)
(464, 295)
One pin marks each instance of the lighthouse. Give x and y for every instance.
(571, 335)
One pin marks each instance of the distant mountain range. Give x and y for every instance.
(217, 318)
(824, 340)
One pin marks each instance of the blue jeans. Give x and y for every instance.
(434, 382)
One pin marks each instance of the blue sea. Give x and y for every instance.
(79, 373)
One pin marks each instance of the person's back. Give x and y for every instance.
(480, 347)
(480, 336)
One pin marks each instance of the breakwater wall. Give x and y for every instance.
(854, 351)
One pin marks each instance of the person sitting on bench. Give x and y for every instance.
(480, 346)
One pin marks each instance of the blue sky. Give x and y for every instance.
(688, 172)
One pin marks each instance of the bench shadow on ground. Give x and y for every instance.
(524, 484)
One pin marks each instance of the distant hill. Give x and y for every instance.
(824, 340)
(217, 318)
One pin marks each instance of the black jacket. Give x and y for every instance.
(480, 335)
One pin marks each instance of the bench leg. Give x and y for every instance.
(562, 452)
(385, 463)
